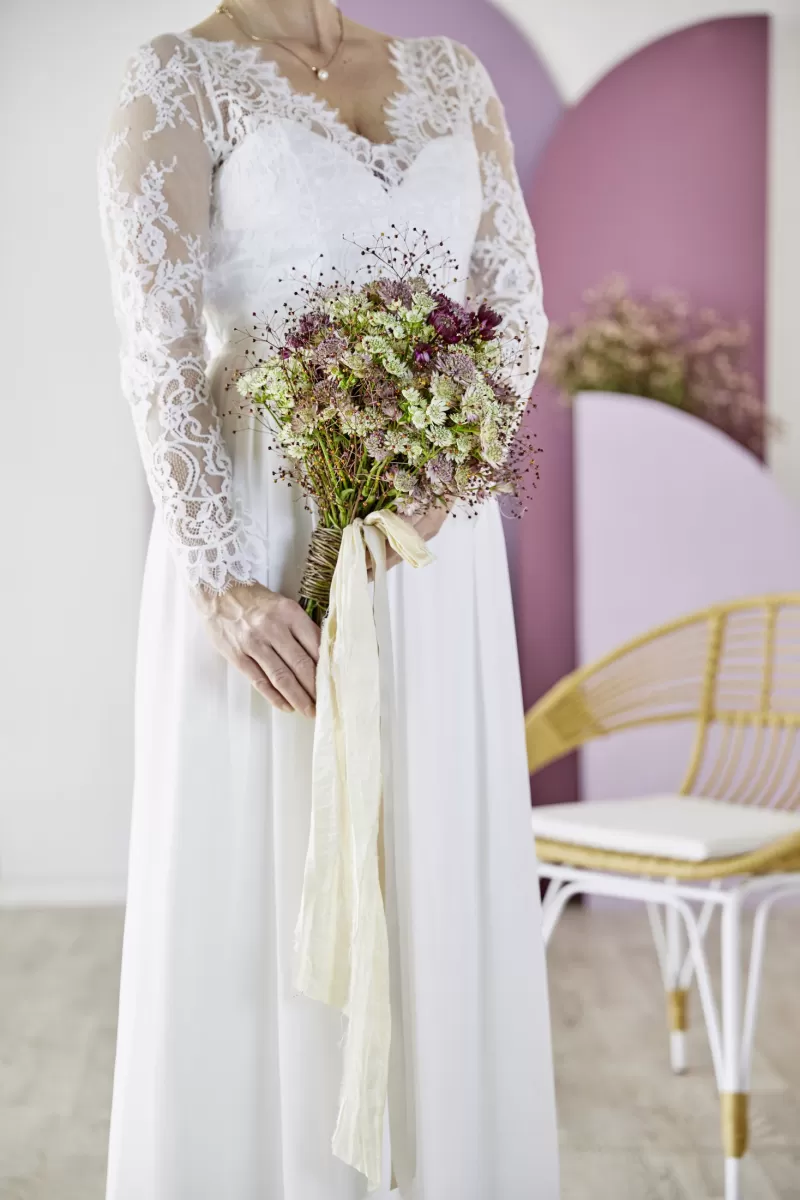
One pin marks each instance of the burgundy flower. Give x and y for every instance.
(486, 322)
(451, 321)
(423, 353)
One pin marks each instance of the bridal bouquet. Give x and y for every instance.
(387, 395)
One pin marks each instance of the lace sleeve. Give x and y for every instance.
(504, 269)
(154, 178)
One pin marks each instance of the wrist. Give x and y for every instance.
(233, 598)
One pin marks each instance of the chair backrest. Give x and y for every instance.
(733, 670)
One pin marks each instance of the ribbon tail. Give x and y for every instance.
(349, 937)
(358, 1137)
(401, 1098)
(322, 933)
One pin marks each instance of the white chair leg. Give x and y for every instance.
(677, 994)
(733, 1178)
(734, 1096)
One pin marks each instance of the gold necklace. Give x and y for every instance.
(321, 72)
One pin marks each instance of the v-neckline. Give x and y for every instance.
(317, 105)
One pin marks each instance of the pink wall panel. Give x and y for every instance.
(659, 173)
(716, 529)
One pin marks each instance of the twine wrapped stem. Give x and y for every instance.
(315, 586)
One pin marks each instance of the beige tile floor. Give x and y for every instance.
(630, 1131)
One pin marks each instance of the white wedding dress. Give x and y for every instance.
(216, 179)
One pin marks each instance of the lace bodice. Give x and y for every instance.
(217, 177)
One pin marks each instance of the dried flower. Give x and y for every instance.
(660, 349)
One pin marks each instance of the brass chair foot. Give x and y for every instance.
(678, 1010)
(735, 1124)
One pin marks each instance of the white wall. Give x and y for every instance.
(75, 512)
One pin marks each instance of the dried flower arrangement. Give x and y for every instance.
(385, 393)
(658, 347)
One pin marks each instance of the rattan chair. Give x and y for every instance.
(733, 672)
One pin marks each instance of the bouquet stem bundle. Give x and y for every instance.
(315, 586)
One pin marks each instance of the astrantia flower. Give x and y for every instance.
(476, 399)
(451, 321)
(403, 480)
(423, 302)
(486, 322)
(490, 441)
(356, 361)
(503, 391)
(455, 363)
(423, 353)
(376, 444)
(309, 324)
(437, 410)
(329, 350)
(382, 350)
(440, 435)
(326, 392)
(462, 476)
(393, 290)
(439, 470)
(445, 391)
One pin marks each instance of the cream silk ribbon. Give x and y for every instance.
(347, 939)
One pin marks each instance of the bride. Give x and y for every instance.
(273, 133)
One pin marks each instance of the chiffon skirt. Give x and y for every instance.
(226, 1080)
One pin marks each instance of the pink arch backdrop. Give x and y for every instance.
(660, 173)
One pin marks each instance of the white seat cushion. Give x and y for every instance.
(689, 828)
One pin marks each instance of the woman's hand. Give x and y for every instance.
(427, 526)
(269, 638)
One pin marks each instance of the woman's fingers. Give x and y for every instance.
(306, 631)
(299, 662)
(269, 638)
(284, 678)
(260, 682)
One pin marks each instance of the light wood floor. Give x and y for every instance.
(630, 1131)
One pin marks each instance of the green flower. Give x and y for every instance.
(437, 410)
(462, 476)
(444, 390)
(441, 437)
(490, 441)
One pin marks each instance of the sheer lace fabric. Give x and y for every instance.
(211, 188)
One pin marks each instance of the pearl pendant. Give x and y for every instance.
(322, 74)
